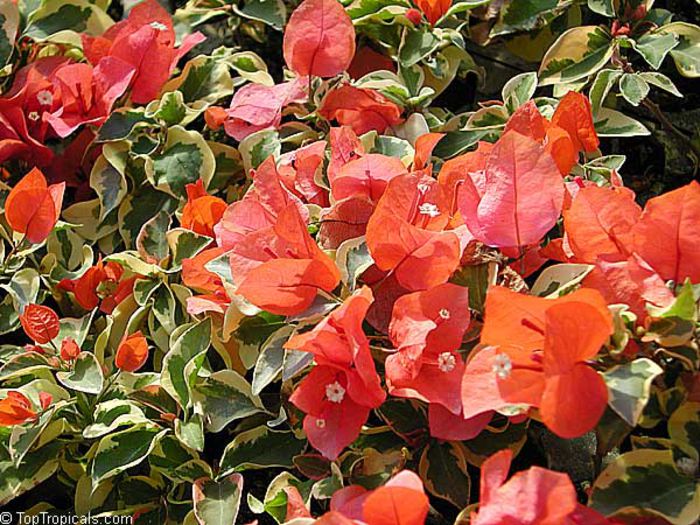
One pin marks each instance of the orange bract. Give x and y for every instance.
(33, 207)
(15, 409)
(132, 353)
(433, 9)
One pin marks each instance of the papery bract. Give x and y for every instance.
(202, 211)
(69, 349)
(259, 208)
(537, 356)
(280, 268)
(33, 207)
(132, 352)
(362, 109)
(343, 387)
(599, 222)
(255, 106)
(433, 9)
(402, 501)
(667, 235)
(427, 329)
(146, 40)
(298, 170)
(40, 323)
(16, 409)
(517, 198)
(319, 39)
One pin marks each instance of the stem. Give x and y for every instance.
(668, 125)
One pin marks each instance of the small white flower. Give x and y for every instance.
(33, 115)
(502, 366)
(334, 392)
(446, 362)
(158, 26)
(321, 423)
(423, 187)
(444, 314)
(429, 209)
(44, 97)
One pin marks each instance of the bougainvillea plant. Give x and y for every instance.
(349, 262)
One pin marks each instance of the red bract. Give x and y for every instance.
(255, 107)
(426, 329)
(280, 268)
(202, 211)
(536, 355)
(40, 323)
(536, 496)
(101, 284)
(343, 387)
(433, 10)
(345, 146)
(23, 127)
(298, 170)
(367, 60)
(259, 208)
(33, 207)
(146, 41)
(87, 93)
(16, 409)
(132, 352)
(319, 39)
(573, 114)
(667, 235)
(69, 349)
(362, 109)
(517, 198)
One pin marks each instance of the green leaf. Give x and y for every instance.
(519, 90)
(611, 123)
(260, 447)
(204, 81)
(110, 185)
(112, 414)
(353, 258)
(633, 88)
(629, 387)
(183, 361)
(124, 449)
(184, 244)
(9, 24)
(558, 279)
(37, 466)
(258, 146)
(79, 16)
(121, 123)
(23, 288)
(226, 396)
(85, 375)
(653, 47)
(417, 44)
(270, 359)
(686, 54)
(457, 142)
(603, 83)
(526, 15)
(217, 502)
(576, 54)
(271, 12)
(684, 428)
(171, 108)
(186, 159)
(660, 81)
(602, 7)
(647, 482)
(151, 240)
(443, 469)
